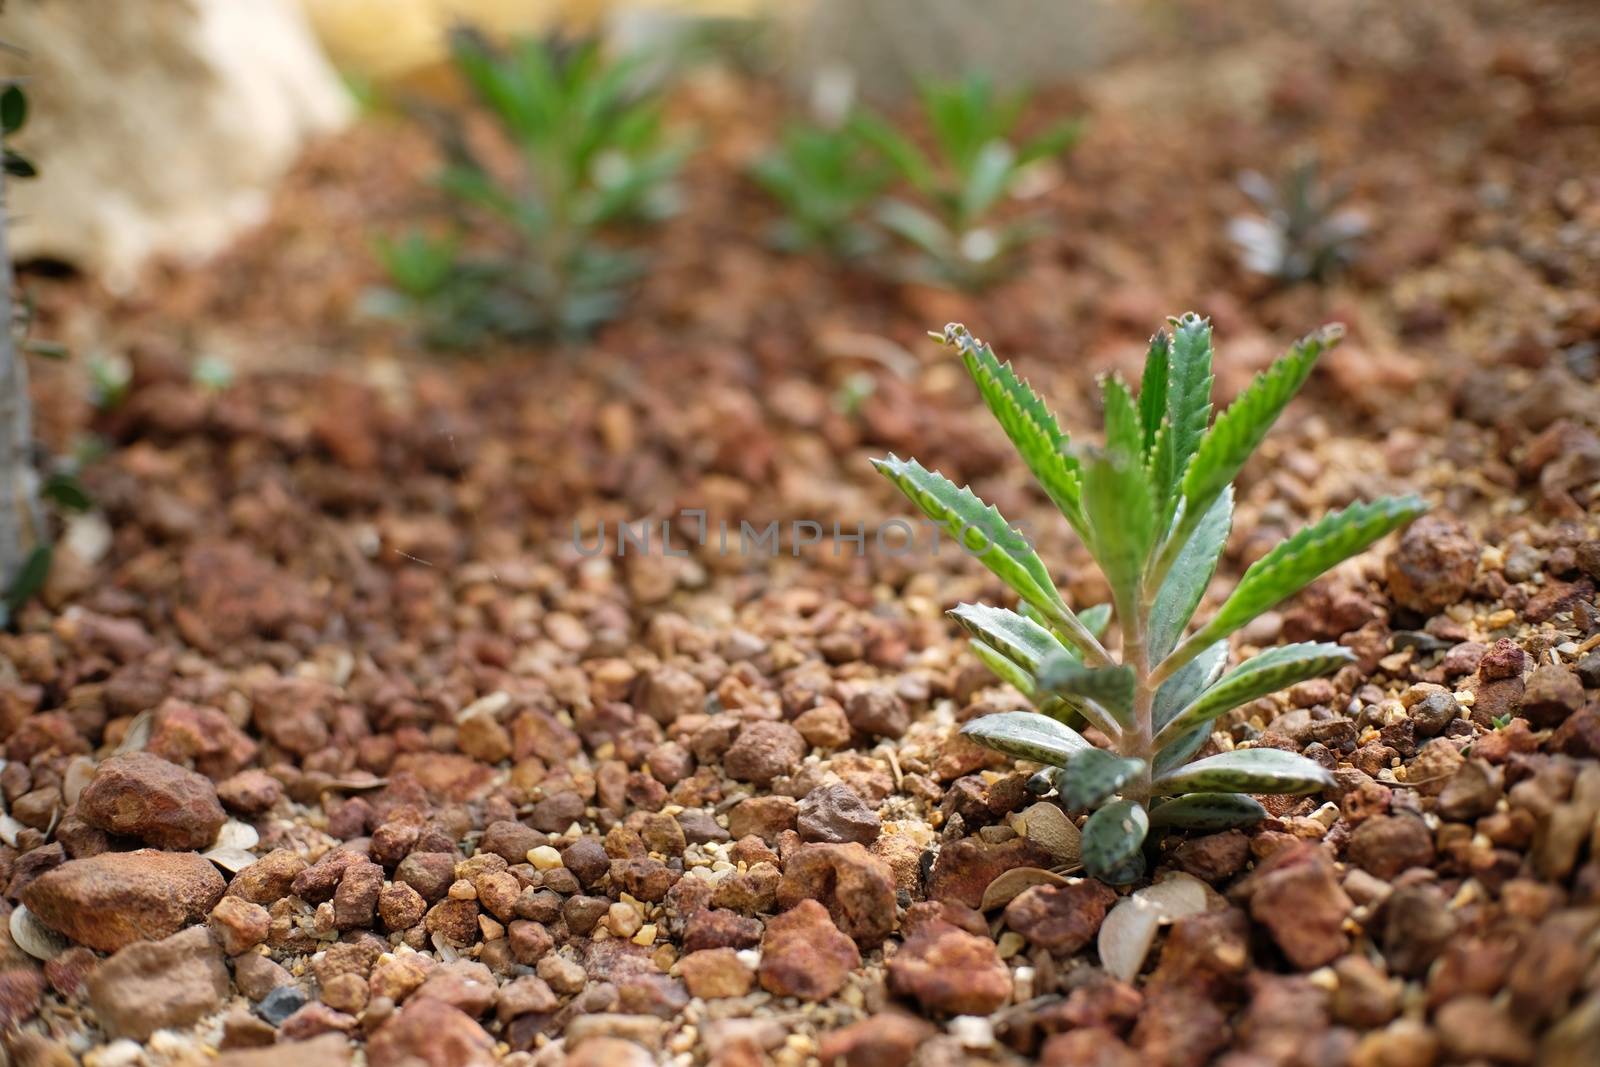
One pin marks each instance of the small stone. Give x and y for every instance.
(281, 1002)
(465, 985)
(608, 1052)
(355, 902)
(1365, 998)
(1474, 1028)
(803, 954)
(523, 996)
(346, 993)
(151, 985)
(878, 712)
(1089, 1047)
(239, 924)
(1417, 925)
(715, 972)
(836, 814)
(964, 869)
(719, 928)
(142, 795)
(257, 975)
(324, 1050)
(668, 693)
(1431, 714)
(1552, 694)
(763, 751)
(1433, 565)
(116, 898)
(1213, 858)
(888, 1039)
(429, 873)
(1504, 659)
(824, 726)
(400, 907)
(1385, 845)
(950, 971)
(249, 793)
(857, 888)
(269, 879)
(432, 1033)
(1472, 793)
(1297, 896)
(765, 817)
(1060, 919)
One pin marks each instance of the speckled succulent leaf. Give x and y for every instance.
(1095, 619)
(1094, 776)
(1120, 512)
(1296, 562)
(979, 529)
(1272, 670)
(1026, 420)
(1022, 640)
(1238, 431)
(1026, 735)
(1207, 811)
(1188, 391)
(1179, 691)
(1005, 669)
(1153, 388)
(1180, 750)
(1113, 837)
(1109, 688)
(1187, 578)
(1246, 770)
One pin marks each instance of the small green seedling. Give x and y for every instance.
(536, 259)
(954, 236)
(826, 180)
(1154, 506)
(1302, 233)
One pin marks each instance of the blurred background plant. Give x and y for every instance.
(825, 179)
(535, 253)
(1303, 232)
(953, 232)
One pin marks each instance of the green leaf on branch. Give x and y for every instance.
(1247, 770)
(1153, 389)
(1188, 394)
(1112, 839)
(1185, 584)
(1238, 432)
(1026, 419)
(1208, 811)
(1179, 691)
(1275, 669)
(1297, 562)
(1107, 688)
(1122, 522)
(1027, 735)
(1093, 776)
(978, 528)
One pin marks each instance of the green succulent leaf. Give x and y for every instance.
(1239, 431)
(1296, 562)
(1269, 672)
(1005, 669)
(1122, 522)
(1153, 389)
(1187, 578)
(978, 528)
(1247, 770)
(1208, 811)
(1179, 691)
(1180, 751)
(1027, 735)
(1020, 639)
(1188, 394)
(1093, 776)
(1107, 688)
(1112, 839)
(1095, 619)
(1026, 419)
(1124, 428)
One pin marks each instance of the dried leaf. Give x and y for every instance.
(1047, 826)
(137, 735)
(232, 860)
(236, 834)
(34, 937)
(1126, 935)
(1013, 883)
(1177, 895)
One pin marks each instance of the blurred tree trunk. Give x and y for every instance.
(19, 499)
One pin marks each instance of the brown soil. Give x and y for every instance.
(570, 796)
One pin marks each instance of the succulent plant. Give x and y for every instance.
(1302, 233)
(594, 154)
(953, 233)
(1154, 506)
(825, 178)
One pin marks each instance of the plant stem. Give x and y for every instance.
(1138, 741)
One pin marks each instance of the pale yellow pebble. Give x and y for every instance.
(461, 889)
(544, 858)
(646, 935)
